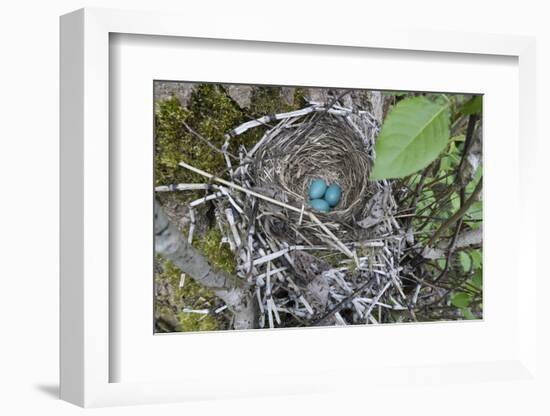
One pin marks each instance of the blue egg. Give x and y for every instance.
(333, 194)
(317, 188)
(319, 205)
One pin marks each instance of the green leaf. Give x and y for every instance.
(413, 135)
(477, 280)
(427, 199)
(455, 201)
(467, 313)
(476, 258)
(471, 186)
(465, 261)
(473, 106)
(461, 300)
(458, 138)
(450, 157)
(475, 212)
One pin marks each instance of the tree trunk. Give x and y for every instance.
(169, 243)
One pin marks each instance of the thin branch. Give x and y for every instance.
(311, 215)
(457, 215)
(169, 243)
(207, 142)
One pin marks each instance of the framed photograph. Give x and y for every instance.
(287, 213)
(336, 207)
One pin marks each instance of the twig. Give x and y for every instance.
(206, 141)
(457, 215)
(311, 215)
(343, 303)
(472, 120)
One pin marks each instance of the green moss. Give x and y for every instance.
(195, 322)
(220, 256)
(169, 145)
(169, 304)
(265, 100)
(299, 98)
(270, 100)
(211, 114)
(193, 295)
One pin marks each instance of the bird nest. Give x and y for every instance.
(332, 143)
(327, 147)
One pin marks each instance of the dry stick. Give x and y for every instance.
(464, 205)
(240, 129)
(311, 215)
(182, 187)
(377, 298)
(170, 244)
(470, 238)
(343, 302)
(206, 141)
(450, 252)
(472, 120)
(417, 194)
(458, 226)
(457, 215)
(447, 291)
(440, 200)
(419, 258)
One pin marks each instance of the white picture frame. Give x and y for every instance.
(87, 356)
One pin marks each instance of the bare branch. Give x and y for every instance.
(170, 243)
(470, 238)
(457, 215)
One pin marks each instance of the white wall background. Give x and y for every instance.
(29, 181)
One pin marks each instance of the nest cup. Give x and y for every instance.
(329, 149)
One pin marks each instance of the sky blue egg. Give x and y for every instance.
(333, 194)
(320, 205)
(317, 188)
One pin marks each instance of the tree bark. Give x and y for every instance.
(469, 238)
(170, 243)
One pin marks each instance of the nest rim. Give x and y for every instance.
(331, 150)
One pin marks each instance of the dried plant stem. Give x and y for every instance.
(311, 215)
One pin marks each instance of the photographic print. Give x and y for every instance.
(293, 207)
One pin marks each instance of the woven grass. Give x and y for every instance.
(329, 146)
(328, 149)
